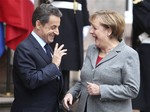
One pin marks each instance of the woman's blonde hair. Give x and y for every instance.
(112, 20)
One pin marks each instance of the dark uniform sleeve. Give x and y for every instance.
(141, 21)
(85, 13)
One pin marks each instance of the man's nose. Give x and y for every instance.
(56, 31)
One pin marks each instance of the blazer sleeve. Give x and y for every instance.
(75, 90)
(129, 87)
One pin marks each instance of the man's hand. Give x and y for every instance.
(58, 53)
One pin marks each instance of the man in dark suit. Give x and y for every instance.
(36, 75)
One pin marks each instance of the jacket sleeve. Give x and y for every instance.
(85, 13)
(129, 87)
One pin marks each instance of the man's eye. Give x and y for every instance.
(53, 27)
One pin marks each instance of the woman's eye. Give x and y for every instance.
(95, 28)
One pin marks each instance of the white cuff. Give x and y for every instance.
(86, 31)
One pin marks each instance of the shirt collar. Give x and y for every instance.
(39, 39)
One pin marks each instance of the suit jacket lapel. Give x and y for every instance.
(40, 50)
(94, 56)
(113, 53)
(108, 57)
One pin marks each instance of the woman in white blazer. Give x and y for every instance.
(110, 76)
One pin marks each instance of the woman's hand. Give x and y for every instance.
(67, 101)
(93, 89)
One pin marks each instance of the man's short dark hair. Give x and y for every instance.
(43, 12)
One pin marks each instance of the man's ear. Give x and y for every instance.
(38, 24)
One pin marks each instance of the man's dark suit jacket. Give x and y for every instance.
(37, 81)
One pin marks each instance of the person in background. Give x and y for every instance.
(36, 75)
(141, 43)
(110, 76)
(73, 29)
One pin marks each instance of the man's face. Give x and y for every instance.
(50, 29)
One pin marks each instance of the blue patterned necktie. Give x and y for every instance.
(48, 50)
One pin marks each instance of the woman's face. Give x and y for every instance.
(99, 33)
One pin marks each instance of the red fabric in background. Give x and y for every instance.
(17, 14)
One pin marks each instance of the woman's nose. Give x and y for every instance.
(91, 30)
